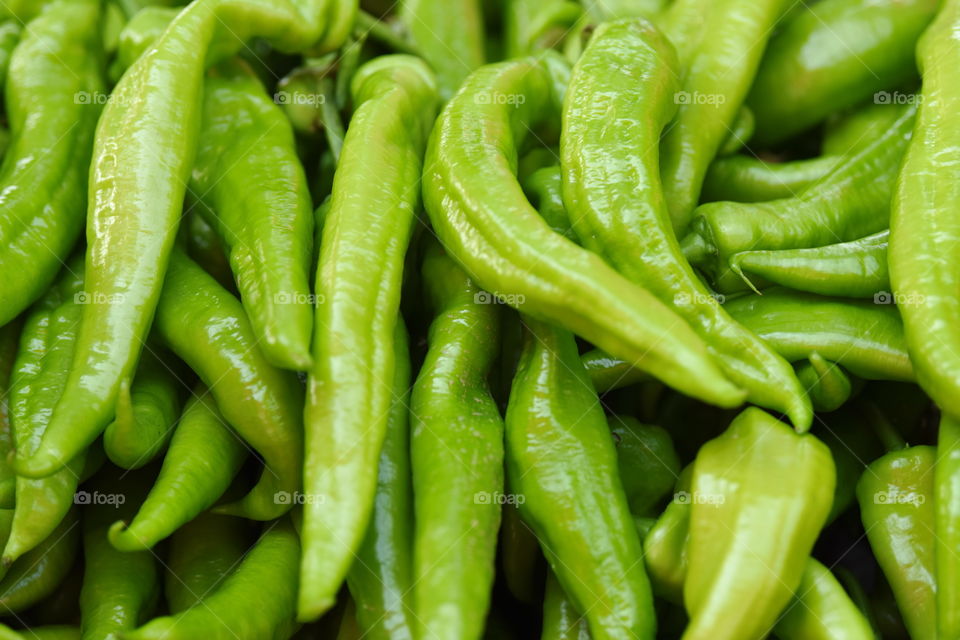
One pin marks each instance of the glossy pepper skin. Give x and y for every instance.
(208, 329)
(866, 338)
(257, 600)
(485, 222)
(457, 451)
(561, 621)
(119, 589)
(47, 343)
(720, 44)
(204, 456)
(855, 269)
(254, 192)
(53, 90)
(896, 505)
(742, 178)
(10, 31)
(381, 579)
(9, 346)
(946, 497)
(760, 493)
(850, 203)
(365, 238)
(562, 461)
(828, 385)
(38, 573)
(147, 412)
(623, 88)
(449, 35)
(925, 219)
(202, 553)
(832, 56)
(143, 151)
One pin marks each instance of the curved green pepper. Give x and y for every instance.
(896, 505)
(9, 38)
(40, 373)
(479, 212)
(203, 552)
(254, 191)
(359, 275)
(562, 466)
(457, 454)
(9, 345)
(544, 187)
(53, 632)
(147, 411)
(743, 178)
(832, 56)
(925, 219)
(204, 456)
(534, 25)
(560, 619)
(381, 580)
(209, 330)
(866, 338)
(856, 269)
(822, 610)
(119, 589)
(853, 131)
(140, 168)
(720, 44)
(53, 94)
(760, 493)
(449, 35)
(850, 203)
(38, 572)
(617, 205)
(258, 600)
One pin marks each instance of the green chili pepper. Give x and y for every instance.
(138, 178)
(850, 203)
(946, 497)
(665, 551)
(257, 600)
(10, 31)
(520, 557)
(630, 227)
(603, 10)
(457, 454)
(856, 269)
(203, 552)
(40, 373)
(740, 133)
(828, 386)
(208, 329)
(562, 465)
(853, 131)
(249, 177)
(760, 494)
(53, 93)
(119, 589)
(720, 44)
(747, 179)
(924, 221)
(139, 34)
(38, 572)
(608, 373)
(381, 579)
(544, 187)
(479, 212)
(822, 610)
(864, 337)
(534, 25)
(358, 284)
(146, 414)
(560, 620)
(204, 456)
(449, 35)
(648, 463)
(832, 56)
(896, 504)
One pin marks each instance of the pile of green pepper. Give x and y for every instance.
(466, 320)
